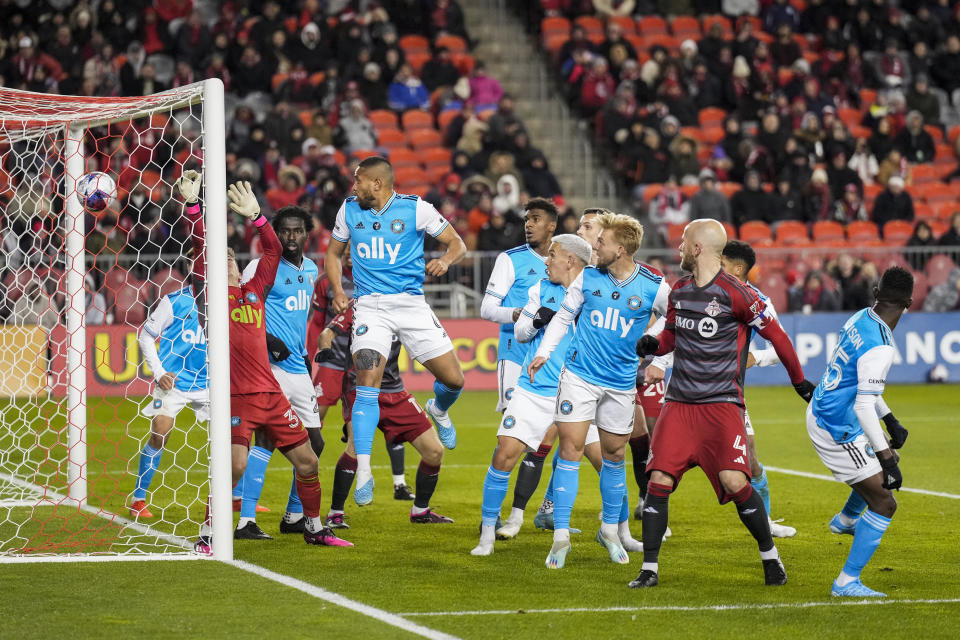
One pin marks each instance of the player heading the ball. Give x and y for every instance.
(385, 231)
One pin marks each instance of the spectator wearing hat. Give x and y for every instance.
(839, 175)
(849, 207)
(439, 71)
(504, 125)
(354, 130)
(485, 91)
(28, 60)
(946, 68)
(785, 50)
(407, 91)
(313, 46)
(684, 166)
(539, 180)
(816, 197)
(920, 99)
(914, 142)
(892, 66)
(812, 295)
(372, 87)
(708, 202)
(292, 187)
(893, 203)
(922, 237)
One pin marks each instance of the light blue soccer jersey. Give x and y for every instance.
(288, 308)
(386, 246)
(612, 317)
(547, 380)
(181, 343)
(515, 272)
(859, 364)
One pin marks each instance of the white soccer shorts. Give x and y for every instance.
(377, 318)
(579, 401)
(508, 374)
(299, 390)
(170, 403)
(746, 422)
(527, 418)
(849, 462)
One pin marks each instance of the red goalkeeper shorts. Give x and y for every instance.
(271, 413)
(401, 418)
(710, 436)
(650, 397)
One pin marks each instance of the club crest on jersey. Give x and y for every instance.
(157, 403)
(566, 407)
(508, 394)
(397, 226)
(362, 329)
(300, 279)
(509, 422)
(615, 295)
(235, 421)
(713, 309)
(376, 226)
(869, 450)
(633, 302)
(251, 297)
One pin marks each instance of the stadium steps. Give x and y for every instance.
(514, 59)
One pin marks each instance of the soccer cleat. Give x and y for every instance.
(139, 510)
(543, 520)
(441, 419)
(841, 529)
(202, 546)
(773, 572)
(509, 530)
(402, 492)
(855, 589)
(336, 521)
(430, 517)
(482, 549)
(237, 502)
(558, 554)
(325, 538)
(778, 530)
(292, 527)
(251, 531)
(646, 578)
(618, 554)
(667, 533)
(364, 495)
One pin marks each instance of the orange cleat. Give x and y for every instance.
(260, 508)
(139, 509)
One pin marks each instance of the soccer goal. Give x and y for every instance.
(81, 271)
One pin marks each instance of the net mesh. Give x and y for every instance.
(135, 252)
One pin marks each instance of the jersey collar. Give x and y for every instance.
(303, 261)
(636, 270)
(393, 196)
(873, 314)
(543, 259)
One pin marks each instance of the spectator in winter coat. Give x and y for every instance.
(440, 71)
(484, 90)
(914, 142)
(812, 295)
(922, 237)
(751, 202)
(920, 99)
(893, 203)
(539, 180)
(946, 295)
(597, 87)
(708, 202)
(839, 175)
(786, 202)
(407, 92)
(863, 162)
(669, 207)
(946, 68)
(952, 237)
(855, 282)
(816, 197)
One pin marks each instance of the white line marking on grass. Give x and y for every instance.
(65, 558)
(818, 476)
(386, 617)
(708, 607)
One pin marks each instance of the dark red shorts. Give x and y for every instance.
(650, 397)
(709, 436)
(272, 414)
(401, 418)
(328, 384)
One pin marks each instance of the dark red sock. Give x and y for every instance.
(543, 450)
(308, 488)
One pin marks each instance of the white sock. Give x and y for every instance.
(291, 518)
(772, 554)
(487, 534)
(546, 506)
(516, 515)
(363, 469)
(650, 566)
(399, 480)
(243, 522)
(416, 511)
(561, 535)
(608, 530)
(313, 525)
(847, 520)
(333, 512)
(843, 579)
(623, 529)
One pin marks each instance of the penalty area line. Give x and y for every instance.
(709, 607)
(818, 476)
(392, 619)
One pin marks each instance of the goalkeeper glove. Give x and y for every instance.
(805, 390)
(243, 201)
(189, 186)
(898, 433)
(324, 355)
(278, 350)
(647, 346)
(892, 478)
(543, 316)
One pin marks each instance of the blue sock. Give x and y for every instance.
(565, 485)
(854, 506)
(613, 478)
(293, 502)
(257, 462)
(549, 494)
(495, 487)
(763, 489)
(149, 462)
(866, 539)
(445, 396)
(625, 507)
(366, 416)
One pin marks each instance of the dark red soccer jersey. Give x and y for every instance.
(322, 312)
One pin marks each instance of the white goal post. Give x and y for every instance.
(78, 285)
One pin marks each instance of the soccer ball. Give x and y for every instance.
(96, 190)
(938, 374)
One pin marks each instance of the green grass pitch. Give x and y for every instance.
(711, 578)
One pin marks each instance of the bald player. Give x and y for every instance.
(710, 317)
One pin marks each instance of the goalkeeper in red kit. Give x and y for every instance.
(256, 400)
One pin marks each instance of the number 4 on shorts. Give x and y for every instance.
(740, 446)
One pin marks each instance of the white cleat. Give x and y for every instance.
(618, 554)
(667, 533)
(482, 549)
(509, 530)
(778, 530)
(558, 554)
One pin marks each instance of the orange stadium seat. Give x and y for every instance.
(827, 231)
(384, 119)
(424, 138)
(754, 231)
(554, 42)
(417, 59)
(849, 116)
(954, 133)
(454, 44)
(935, 192)
(731, 231)
(403, 157)
(550, 26)
(626, 23)
(861, 230)
(652, 26)
(589, 23)
(464, 62)
(790, 231)
(723, 21)
(445, 117)
(414, 43)
(404, 176)
(711, 117)
(944, 210)
(935, 132)
(360, 154)
(415, 119)
(728, 189)
(685, 27)
(391, 138)
(923, 211)
(897, 231)
(421, 189)
(435, 156)
(924, 173)
(437, 172)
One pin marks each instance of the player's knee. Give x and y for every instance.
(885, 505)
(570, 451)
(238, 467)
(733, 482)
(367, 359)
(503, 459)
(432, 455)
(455, 380)
(157, 441)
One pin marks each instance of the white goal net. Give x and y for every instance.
(92, 241)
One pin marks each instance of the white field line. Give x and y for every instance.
(386, 617)
(817, 476)
(709, 607)
(64, 559)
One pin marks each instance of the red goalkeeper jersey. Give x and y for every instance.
(249, 358)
